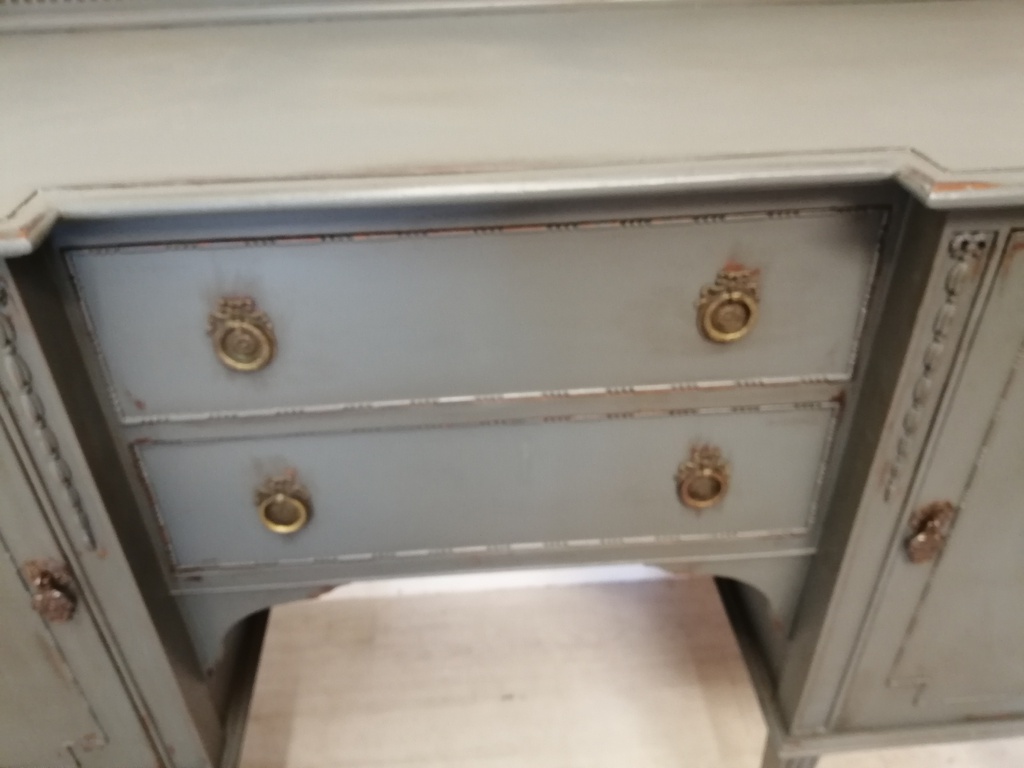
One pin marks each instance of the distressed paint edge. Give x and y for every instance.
(320, 574)
(497, 551)
(538, 226)
(826, 388)
(28, 224)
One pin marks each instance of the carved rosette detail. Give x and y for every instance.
(965, 250)
(24, 394)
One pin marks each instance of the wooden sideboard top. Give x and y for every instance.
(578, 100)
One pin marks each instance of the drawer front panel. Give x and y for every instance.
(386, 318)
(424, 490)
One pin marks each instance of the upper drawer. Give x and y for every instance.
(361, 318)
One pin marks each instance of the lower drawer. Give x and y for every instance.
(418, 491)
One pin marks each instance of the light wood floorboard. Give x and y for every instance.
(633, 674)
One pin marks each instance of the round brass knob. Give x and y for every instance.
(728, 308)
(702, 481)
(242, 334)
(283, 504)
(53, 593)
(930, 527)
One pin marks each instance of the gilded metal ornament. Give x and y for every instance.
(728, 308)
(930, 527)
(243, 336)
(285, 505)
(53, 594)
(703, 480)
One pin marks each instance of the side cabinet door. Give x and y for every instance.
(946, 642)
(63, 702)
(43, 712)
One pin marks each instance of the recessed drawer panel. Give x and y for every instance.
(572, 483)
(428, 315)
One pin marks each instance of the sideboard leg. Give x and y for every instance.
(772, 760)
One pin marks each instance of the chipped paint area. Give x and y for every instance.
(946, 187)
(733, 265)
(1014, 248)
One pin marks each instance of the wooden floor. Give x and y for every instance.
(634, 673)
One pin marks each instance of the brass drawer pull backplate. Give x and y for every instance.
(703, 480)
(284, 505)
(728, 308)
(242, 334)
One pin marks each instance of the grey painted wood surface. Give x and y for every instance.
(127, 14)
(589, 98)
(36, 685)
(697, 554)
(63, 701)
(945, 643)
(140, 677)
(588, 489)
(935, 287)
(437, 489)
(606, 304)
(584, 103)
(196, 476)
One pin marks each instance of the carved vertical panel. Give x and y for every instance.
(22, 395)
(966, 250)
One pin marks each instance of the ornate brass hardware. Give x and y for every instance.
(243, 336)
(728, 308)
(930, 528)
(703, 480)
(53, 595)
(285, 506)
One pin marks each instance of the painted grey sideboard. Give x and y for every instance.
(296, 294)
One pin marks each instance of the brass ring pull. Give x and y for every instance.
(728, 307)
(284, 505)
(242, 334)
(702, 481)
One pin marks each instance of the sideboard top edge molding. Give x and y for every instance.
(28, 224)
